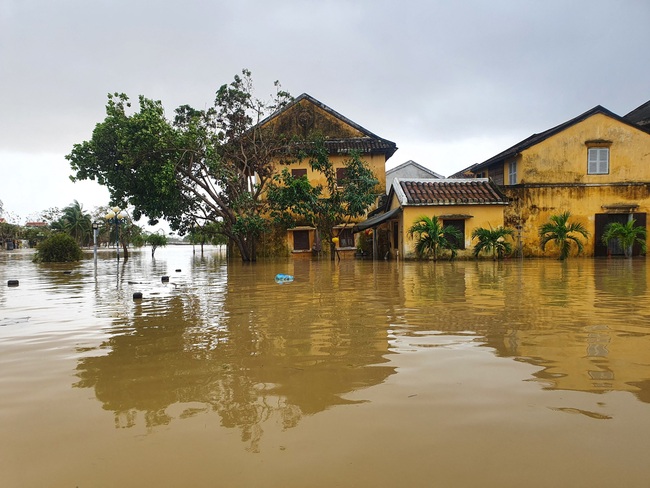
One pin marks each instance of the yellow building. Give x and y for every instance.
(306, 118)
(465, 204)
(596, 166)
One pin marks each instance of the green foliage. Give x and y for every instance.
(492, 241)
(34, 235)
(195, 168)
(76, 223)
(9, 231)
(433, 238)
(295, 201)
(208, 233)
(155, 240)
(626, 234)
(58, 248)
(562, 233)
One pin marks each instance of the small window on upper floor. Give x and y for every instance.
(598, 161)
(512, 172)
(298, 172)
(341, 176)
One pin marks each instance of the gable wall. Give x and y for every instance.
(562, 158)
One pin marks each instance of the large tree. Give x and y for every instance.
(203, 166)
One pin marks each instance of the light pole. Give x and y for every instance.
(116, 216)
(95, 226)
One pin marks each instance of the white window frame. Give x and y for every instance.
(512, 172)
(598, 161)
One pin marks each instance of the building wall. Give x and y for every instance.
(482, 216)
(407, 171)
(553, 178)
(531, 207)
(562, 158)
(376, 163)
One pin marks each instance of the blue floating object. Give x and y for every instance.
(283, 278)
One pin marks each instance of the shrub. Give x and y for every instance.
(59, 248)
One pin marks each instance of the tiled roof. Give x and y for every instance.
(640, 115)
(542, 136)
(365, 145)
(474, 191)
(370, 143)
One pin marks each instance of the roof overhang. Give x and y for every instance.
(376, 220)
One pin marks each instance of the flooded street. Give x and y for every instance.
(532, 373)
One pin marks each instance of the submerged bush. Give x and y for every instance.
(59, 248)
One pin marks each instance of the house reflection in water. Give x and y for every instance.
(234, 342)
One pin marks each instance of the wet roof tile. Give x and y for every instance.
(477, 191)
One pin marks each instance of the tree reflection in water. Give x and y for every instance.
(232, 341)
(230, 348)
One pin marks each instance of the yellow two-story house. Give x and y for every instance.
(596, 166)
(305, 118)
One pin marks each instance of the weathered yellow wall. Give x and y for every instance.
(561, 160)
(376, 163)
(563, 157)
(482, 216)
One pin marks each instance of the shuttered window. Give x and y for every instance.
(598, 161)
(346, 238)
(300, 240)
(341, 176)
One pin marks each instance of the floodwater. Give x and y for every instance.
(530, 373)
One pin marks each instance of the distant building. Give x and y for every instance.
(409, 169)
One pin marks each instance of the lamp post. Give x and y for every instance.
(95, 226)
(116, 216)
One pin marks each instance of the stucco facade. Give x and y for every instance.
(465, 204)
(596, 166)
(307, 119)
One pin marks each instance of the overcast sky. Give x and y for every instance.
(450, 82)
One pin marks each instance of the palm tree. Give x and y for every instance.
(492, 241)
(433, 238)
(76, 223)
(626, 234)
(561, 232)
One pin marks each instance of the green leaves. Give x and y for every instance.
(295, 201)
(626, 234)
(562, 233)
(433, 238)
(492, 241)
(203, 166)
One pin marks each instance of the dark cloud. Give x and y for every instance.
(434, 76)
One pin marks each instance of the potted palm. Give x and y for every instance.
(626, 234)
(562, 234)
(433, 238)
(492, 241)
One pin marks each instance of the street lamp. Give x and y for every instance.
(95, 226)
(116, 216)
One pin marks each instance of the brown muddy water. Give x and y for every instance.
(529, 373)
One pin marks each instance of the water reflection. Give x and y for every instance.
(224, 338)
(229, 339)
